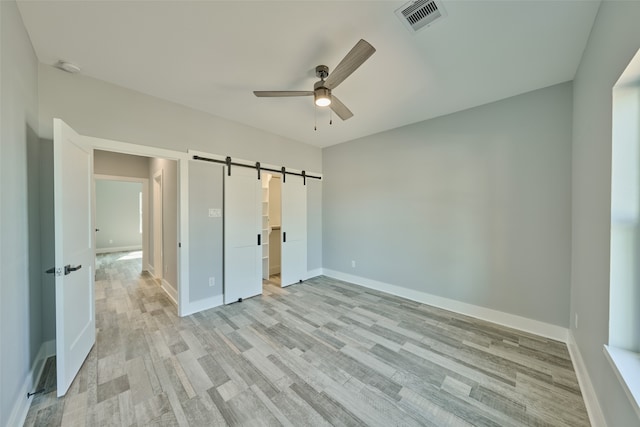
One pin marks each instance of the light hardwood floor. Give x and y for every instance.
(323, 352)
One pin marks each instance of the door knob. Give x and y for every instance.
(68, 269)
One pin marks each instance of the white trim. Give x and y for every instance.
(183, 172)
(22, 403)
(314, 273)
(157, 230)
(118, 249)
(626, 365)
(596, 417)
(192, 153)
(203, 304)
(183, 237)
(103, 177)
(506, 319)
(275, 269)
(49, 349)
(135, 149)
(170, 291)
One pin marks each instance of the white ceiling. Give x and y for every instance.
(211, 55)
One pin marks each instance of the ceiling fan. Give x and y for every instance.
(322, 89)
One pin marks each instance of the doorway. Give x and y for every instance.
(121, 214)
(160, 204)
(272, 228)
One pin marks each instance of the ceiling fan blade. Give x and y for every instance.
(339, 108)
(280, 93)
(355, 58)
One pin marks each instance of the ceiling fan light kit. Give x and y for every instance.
(322, 95)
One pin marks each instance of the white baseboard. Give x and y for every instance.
(506, 319)
(314, 273)
(274, 270)
(170, 291)
(118, 249)
(596, 417)
(22, 403)
(201, 305)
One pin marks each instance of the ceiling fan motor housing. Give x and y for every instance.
(322, 71)
(321, 94)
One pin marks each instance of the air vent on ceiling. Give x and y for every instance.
(419, 14)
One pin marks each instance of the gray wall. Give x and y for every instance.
(314, 224)
(614, 39)
(474, 206)
(169, 218)
(96, 108)
(20, 281)
(205, 233)
(118, 215)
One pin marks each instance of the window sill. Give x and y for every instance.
(626, 365)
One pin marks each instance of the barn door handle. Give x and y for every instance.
(258, 240)
(68, 269)
(284, 237)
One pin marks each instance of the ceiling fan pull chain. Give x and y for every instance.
(330, 117)
(315, 118)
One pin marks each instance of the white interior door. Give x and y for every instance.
(74, 255)
(242, 234)
(294, 230)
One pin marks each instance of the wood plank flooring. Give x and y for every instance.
(323, 352)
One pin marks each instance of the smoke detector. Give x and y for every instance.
(68, 67)
(420, 14)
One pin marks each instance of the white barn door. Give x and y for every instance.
(294, 230)
(74, 253)
(242, 234)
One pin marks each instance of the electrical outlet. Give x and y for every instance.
(575, 320)
(353, 264)
(211, 212)
(212, 281)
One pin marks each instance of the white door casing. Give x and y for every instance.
(294, 230)
(158, 232)
(74, 252)
(242, 228)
